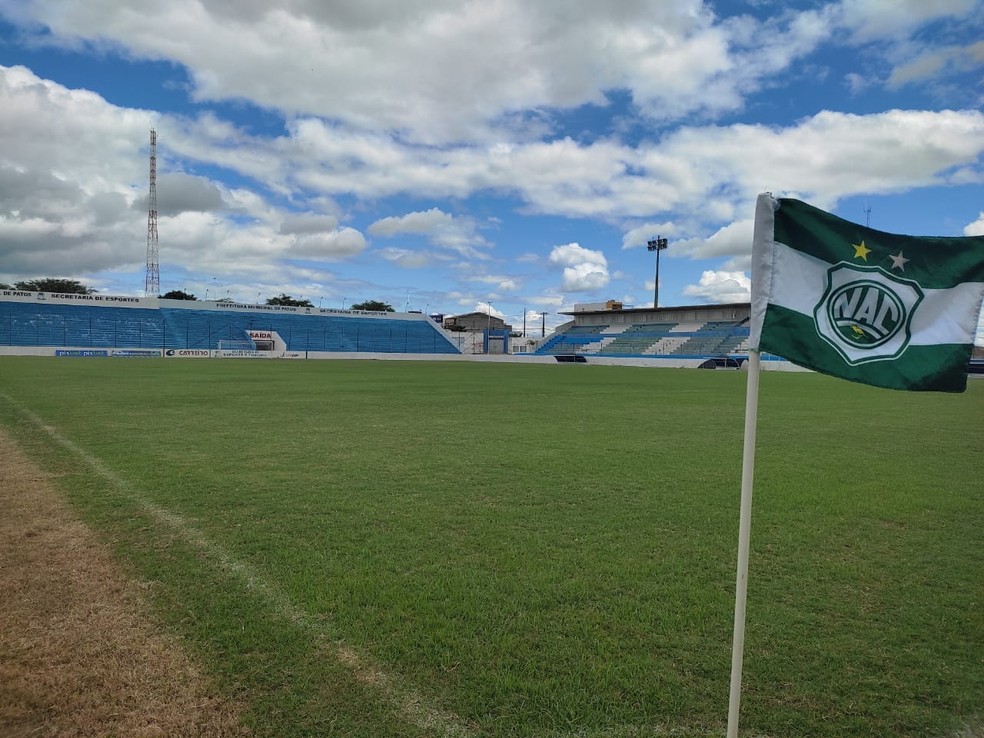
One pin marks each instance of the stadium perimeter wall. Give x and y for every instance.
(83, 352)
(154, 304)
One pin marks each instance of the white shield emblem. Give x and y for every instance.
(866, 313)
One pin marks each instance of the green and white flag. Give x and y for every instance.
(867, 306)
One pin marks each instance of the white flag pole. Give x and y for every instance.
(744, 534)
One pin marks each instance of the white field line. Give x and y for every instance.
(406, 701)
(411, 705)
(651, 731)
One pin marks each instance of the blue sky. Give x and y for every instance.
(451, 156)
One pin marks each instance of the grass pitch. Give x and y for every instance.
(403, 549)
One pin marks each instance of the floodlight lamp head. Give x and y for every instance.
(656, 244)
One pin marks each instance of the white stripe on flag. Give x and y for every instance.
(944, 317)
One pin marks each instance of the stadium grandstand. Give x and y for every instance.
(54, 324)
(104, 325)
(694, 335)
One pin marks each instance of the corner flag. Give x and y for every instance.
(856, 303)
(849, 301)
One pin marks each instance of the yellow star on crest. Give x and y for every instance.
(861, 251)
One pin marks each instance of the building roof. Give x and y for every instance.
(663, 308)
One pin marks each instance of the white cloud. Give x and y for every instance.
(976, 228)
(501, 282)
(734, 238)
(641, 235)
(330, 246)
(80, 200)
(64, 182)
(888, 19)
(708, 172)
(425, 222)
(584, 270)
(933, 61)
(440, 228)
(178, 192)
(303, 223)
(405, 257)
(584, 278)
(488, 308)
(573, 253)
(361, 66)
(848, 153)
(715, 286)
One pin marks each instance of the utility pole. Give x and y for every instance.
(656, 244)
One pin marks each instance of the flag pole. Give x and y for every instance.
(744, 534)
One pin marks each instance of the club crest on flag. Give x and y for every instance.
(865, 313)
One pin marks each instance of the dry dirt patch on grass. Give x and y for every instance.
(79, 653)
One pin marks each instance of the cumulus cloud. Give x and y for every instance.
(440, 228)
(716, 287)
(734, 238)
(425, 222)
(501, 282)
(641, 235)
(178, 192)
(360, 67)
(305, 223)
(405, 257)
(976, 228)
(704, 172)
(930, 63)
(584, 270)
(849, 154)
(488, 308)
(887, 19)
(80, 201)
(73, 166)
(328, 246)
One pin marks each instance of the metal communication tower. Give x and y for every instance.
(152, 282)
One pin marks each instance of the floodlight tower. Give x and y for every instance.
(656, 244)
(152, 281)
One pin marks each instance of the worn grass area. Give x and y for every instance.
(396, 548)
(79, 653)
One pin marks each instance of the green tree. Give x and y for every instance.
(54, 284)
(178, 295)
(375, 306)
(287, 300)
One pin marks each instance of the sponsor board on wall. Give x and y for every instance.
(68, 298)
(136, 353)
(188, 353)
(82, 352)
(243, 354)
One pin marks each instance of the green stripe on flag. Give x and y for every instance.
(793, 336)
(932, 261)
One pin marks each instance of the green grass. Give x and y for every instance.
(535, 550)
